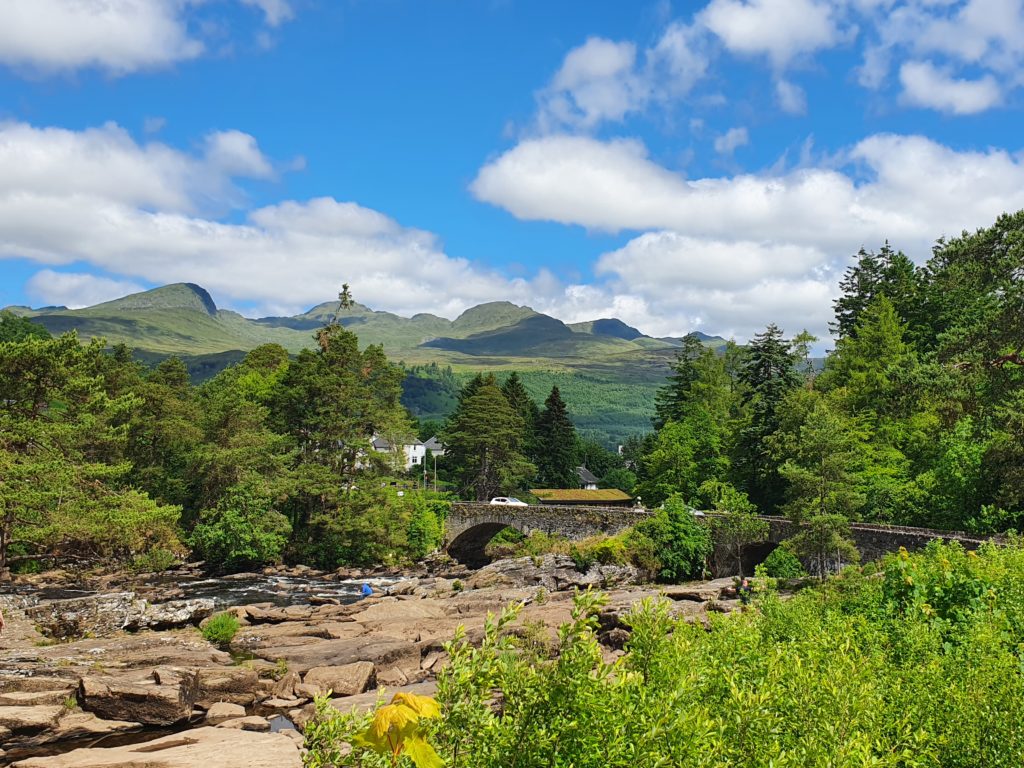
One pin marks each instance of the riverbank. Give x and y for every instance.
(161, 684)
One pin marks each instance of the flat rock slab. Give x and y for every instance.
(381, 651)
(198, 748)
(223, 710)
(29, 719)
(76, 725)
(35, 698)
(251, 723)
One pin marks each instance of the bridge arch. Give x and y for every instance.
(469, 526)
(469, 546)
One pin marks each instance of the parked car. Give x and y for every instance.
(508, 501)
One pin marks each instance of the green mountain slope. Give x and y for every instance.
(608, 371)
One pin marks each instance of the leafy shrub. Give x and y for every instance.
(599, 550)
(221, 628)
(853, 672)
(157, 559)
(241, 532)
(782, 564)
(672, 543)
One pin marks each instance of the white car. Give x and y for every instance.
(508, 501)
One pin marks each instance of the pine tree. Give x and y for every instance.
(769, 374)
(484, 443)
(556, 445)
(527, 409)
(672, 400)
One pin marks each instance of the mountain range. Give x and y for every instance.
(609, 367)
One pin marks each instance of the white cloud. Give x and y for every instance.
(138, 212)
(236, 154)
(76, 289)
(605, 81)
(958, 57)
(926, 86)
(791, 97)
(779, 29)
(731, 140)
(596, 82)
(736, 252)
(119, 36)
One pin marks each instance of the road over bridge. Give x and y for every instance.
(470, 525)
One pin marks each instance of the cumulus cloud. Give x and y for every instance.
(926, 86)
(141, 213)
(957, 57)
(731, 140)
(746, 249)
(778, 29)
(76, 289)
(119, 36)
(605, 81)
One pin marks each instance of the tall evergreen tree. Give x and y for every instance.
(527, 409)
(556, 445)
(889, 273)
(672, 399)
(768, 375)
(484, 444)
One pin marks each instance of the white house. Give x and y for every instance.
(415, 452)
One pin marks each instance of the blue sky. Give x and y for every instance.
(681, 166)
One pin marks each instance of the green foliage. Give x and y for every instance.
(14, 328)
(850, 673)
(672, 543)
(241, 532)
(221, 628)
(781, 563)
(823, 543)
(484, 441)
(556, 456)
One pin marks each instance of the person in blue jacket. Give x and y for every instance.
(367, 590)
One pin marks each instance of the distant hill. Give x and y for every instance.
(608, 370)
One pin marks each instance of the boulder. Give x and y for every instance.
(700, 592)
(143, 701)
(222, 710)
(342, 680)
(105, 614)
(236, 685)
(553, 572)
(251, 723)
(220, 747)
(73, 724)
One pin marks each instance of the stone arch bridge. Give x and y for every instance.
(470, 525)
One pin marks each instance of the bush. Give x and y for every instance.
(782, 564)
(854, 672)
(221, 628)
(672, 543)
(241, 532)
(599, 550)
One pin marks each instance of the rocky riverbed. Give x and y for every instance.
(120, 677)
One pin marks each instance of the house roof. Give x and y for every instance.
(580, 495)
(434, 444)
(586, 476)
(380, 444)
